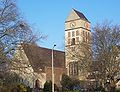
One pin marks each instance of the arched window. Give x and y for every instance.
(73, 68)
(73, 41)
(37, 83)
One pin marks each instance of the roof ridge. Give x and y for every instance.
(43, 47)
(80, 14)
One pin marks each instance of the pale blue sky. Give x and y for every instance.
(48, 16)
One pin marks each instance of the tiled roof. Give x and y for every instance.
(40, 57)
(81, 15)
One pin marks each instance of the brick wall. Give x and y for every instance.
(57, 74)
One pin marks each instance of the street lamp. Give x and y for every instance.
(52, 70)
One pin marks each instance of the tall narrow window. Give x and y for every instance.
(68, 41)
(84, 39)
(77, 33)
(73, 33)
(86, 36)
(83, 33)
(69, 34)
(71, 68)
(75, 68)
(77, 39)
(73, 41)
(89, 38)
(86, 33)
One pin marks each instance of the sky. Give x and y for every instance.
(48, 16)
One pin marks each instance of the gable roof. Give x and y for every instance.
(76, 15)
(40, 57)
(81, 15)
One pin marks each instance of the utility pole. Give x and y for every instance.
(53, 69)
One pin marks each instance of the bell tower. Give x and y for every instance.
(77, 30)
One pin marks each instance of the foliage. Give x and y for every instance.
(48, 87)
(69, 83)
(22, 88)
(29, 89)
(66, 82)
(56, 88)
(117, 90)
(9, 82)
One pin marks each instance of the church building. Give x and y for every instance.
(77, 31)
(38, 59)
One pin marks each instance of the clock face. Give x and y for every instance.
(86, 25)
(72, 24)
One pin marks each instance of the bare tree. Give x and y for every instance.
(14, 30)
(101, 56)
(106, 48)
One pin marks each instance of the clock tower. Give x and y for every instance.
(77, 30)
